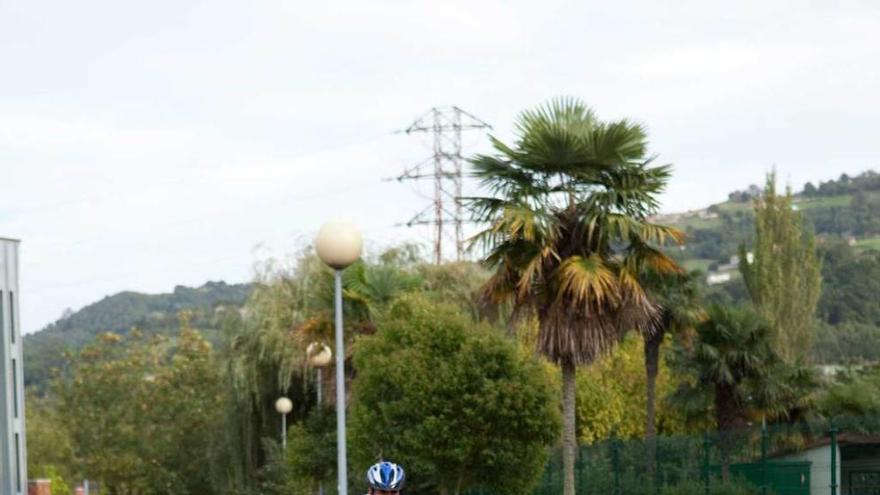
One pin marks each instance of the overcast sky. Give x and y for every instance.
(149, 144)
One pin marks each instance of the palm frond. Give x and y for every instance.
(587, 281)
(618, 142)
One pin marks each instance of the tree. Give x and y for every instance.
(810, 190)
(782, 274)
(50, 453)
(568, 234)
(452, 399)
(677, 296)
(611, 395)
(140, 412)
(264, 351)
(850, 285)
(733, 369)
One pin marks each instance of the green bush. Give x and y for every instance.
(457, 403)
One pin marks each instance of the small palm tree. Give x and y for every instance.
(568, 235)
(733, 359)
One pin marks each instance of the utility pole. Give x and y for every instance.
(444, 167)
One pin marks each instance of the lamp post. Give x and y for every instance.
(339, 245)
(319, 356)
(283, 405)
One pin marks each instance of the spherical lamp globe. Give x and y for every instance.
(283, 405)
(338, 244)
(319, 354)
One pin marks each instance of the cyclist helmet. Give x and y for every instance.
(385, 476)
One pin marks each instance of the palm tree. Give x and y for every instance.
(733, 358)
(568, 235)
(677, 296)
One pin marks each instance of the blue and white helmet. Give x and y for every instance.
(385, 476)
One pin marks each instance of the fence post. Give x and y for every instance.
(579, 472)
(706, 462)
(657, 477)
(615, 463)
(764, 439)
(833, 432)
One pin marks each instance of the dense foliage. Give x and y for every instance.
(139, 413)
(611, 394)
(866, 181)
(781, 273)
(454, 400)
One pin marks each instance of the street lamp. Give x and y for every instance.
(319, 355)
(339, 245)
(283, 405)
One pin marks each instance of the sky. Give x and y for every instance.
(145, 145)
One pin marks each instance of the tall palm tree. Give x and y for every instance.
(677, 296)
(568, 235)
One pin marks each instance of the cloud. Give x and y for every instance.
(157, 144)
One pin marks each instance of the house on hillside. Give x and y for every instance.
(724, 273)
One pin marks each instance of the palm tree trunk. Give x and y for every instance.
(569, 437)
(726, 417)
(652, 365)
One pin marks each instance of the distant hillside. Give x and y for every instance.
(845, 215)
(153, 313)
(847, 208)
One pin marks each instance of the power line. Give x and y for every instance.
(444, 167)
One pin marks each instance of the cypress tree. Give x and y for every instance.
(782, 274)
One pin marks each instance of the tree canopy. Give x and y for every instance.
(453, 399)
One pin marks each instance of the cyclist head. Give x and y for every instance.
(385, 478)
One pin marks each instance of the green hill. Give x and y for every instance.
(845, 215)
(847, 208)
(151, 313)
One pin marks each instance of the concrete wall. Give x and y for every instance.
(820, 468)
(13, 452)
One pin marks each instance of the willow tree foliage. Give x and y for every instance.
(783, 273)
(264, 352)
(568, 235)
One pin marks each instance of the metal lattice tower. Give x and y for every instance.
(445, 168)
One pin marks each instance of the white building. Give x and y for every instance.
(13, 454)
(718, 278)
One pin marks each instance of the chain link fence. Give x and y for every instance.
(841, 456)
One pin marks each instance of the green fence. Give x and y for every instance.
(786, 459)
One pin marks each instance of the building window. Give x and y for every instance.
(14, 388)
(12, 316)
(18, 463)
